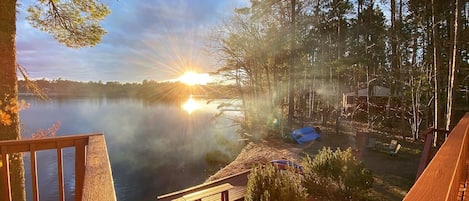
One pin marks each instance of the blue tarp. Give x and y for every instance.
(305, 135)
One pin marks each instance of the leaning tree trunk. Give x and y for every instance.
(452, 69)
(9, 128)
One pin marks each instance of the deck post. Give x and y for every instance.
(80, 161)
(60, 174)
(5, 171)
(33, 164)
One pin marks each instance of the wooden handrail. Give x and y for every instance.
(23, 145)
(98, 172)
(80, 142)
(445, 172)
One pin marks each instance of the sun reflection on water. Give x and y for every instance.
(191, 105)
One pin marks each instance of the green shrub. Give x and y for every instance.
(270, 183)
(336, 175)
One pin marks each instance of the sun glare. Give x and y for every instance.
(192, 78)
(190, 105)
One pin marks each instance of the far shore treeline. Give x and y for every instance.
(152, 91)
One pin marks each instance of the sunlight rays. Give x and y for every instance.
(169, 52)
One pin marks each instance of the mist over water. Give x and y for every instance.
(153, 148)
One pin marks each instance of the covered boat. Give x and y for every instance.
(305, 135)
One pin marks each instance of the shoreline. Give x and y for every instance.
(275, 148)
(259, 153)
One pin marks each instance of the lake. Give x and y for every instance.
(154, 148)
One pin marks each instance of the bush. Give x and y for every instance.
(270, 183)
(336, 175)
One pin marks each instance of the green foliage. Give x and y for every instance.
(336, 175)
(270, 183)
(73, 23)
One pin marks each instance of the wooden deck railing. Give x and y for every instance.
(93, 177)
(446, 173)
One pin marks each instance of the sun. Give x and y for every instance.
(193, 78)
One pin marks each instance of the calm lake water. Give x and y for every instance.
(153, 148)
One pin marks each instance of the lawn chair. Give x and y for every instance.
(395, 151)
(392, 145)
(371, 143)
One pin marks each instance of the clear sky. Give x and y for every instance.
(146, 39)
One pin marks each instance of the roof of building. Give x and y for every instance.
(376, 91)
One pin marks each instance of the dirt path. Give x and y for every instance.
(393, 175)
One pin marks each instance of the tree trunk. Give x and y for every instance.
(291, 83)
(435, 72)
(394, 60)
(416, 120)
(9, 94)
(339, 54)
(368, 103)
(452, 69)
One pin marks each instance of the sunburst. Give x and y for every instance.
(192, 78)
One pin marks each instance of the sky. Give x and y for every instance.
(146, 40)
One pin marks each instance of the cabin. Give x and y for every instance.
(357, 99)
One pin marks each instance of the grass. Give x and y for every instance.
(393, 175)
